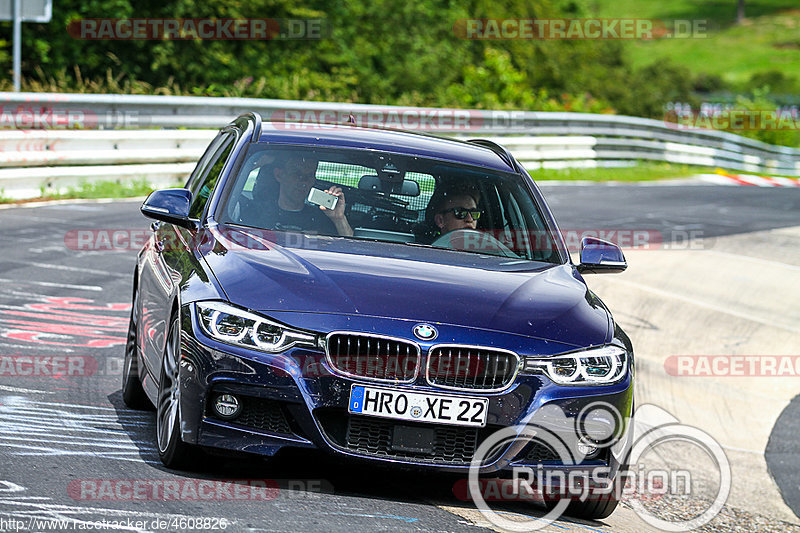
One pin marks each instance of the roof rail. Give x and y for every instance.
(253, 117)
(504, 154)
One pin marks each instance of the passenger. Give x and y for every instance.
(296, 175)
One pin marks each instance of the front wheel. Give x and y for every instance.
(593, 509)
(172, 450)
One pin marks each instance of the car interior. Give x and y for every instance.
(393, 198)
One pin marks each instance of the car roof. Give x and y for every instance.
(400, 142)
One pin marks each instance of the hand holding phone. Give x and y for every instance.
(322, 198)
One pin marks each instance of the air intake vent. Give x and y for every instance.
(471, 368)
(372, 357)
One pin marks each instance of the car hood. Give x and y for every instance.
(366, 278)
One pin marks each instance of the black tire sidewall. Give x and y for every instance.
(178, 454)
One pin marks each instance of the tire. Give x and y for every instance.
(602, 505)
(593, 509)
(172, 451)
(132, 392)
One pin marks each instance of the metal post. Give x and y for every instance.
(16, 15)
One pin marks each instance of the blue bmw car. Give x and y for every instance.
(380, 295)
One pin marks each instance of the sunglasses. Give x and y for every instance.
(461, 212)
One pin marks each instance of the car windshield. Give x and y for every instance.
(384, 196)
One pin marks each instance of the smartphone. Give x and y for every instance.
(320, 197)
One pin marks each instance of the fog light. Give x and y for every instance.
(227, 406)
(587, 451)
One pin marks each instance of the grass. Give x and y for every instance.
(641, 172)
(769, 38)
(95, 189)
(644, 171)
(106, 189)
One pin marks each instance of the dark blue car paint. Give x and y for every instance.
(378, 279)
(338, 284)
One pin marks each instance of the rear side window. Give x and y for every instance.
(203, 186)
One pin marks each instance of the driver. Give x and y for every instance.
(459, 211)
(456, 215)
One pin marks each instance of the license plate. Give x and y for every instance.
(418, 406)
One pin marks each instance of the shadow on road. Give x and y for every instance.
(783, 454)
(319, 473)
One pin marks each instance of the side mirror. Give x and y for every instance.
(170, 205)
(600, 257)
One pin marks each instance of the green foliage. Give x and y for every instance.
(773, 81)
(379, 52)
(654, 85)
(708, 83)
(110, 189)
(96, 189)
(767, 40)
(376, 52)
(769, 127)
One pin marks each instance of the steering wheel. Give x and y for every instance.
(472, 240)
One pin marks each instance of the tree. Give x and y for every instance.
(740, 12)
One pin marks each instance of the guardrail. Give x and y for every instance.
(33, 162)
(49, 143)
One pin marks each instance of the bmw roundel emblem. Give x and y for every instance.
(425, 332)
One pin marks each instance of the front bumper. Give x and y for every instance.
(295, 399)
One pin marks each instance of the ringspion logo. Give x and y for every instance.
(566, 478)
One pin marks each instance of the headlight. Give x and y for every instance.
(596, 366)
(232, 325)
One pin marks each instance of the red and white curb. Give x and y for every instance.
(749, 180)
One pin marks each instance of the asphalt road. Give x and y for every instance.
(706, 212)
(710, 211)
(69, 448)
